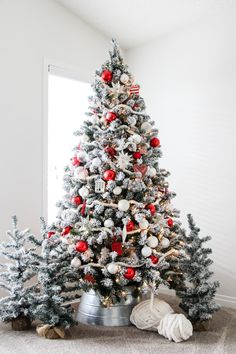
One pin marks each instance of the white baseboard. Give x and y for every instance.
(223, 300)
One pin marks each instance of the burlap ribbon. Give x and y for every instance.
(50, 332)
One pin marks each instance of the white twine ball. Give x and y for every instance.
(146, 316)
(112, 268)
(136, 138)
(117, 190)
(109, 223)
(165, 242)
(151, 172)
(146, 251)
(152, 241)
(84, 192)
(124, 78)
(76, 262)
(143, 224)
(146, 127)
(123, 205)
(175, 327)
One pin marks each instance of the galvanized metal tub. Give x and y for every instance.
(91, 311)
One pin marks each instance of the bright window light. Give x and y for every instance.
(67, 104)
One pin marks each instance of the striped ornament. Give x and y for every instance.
(134, 89)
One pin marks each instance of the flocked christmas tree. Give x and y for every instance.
(116, 215)
(14, 277)
(197, 296)
(55, 278)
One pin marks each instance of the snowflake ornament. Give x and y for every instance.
(123, 160)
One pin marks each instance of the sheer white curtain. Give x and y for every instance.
(67, 104)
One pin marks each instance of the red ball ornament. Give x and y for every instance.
(130, 226)
(109, 175)
(110, 116)
(117, 247)
(66, 230)
(77, 200)
(154, 259)
(51, 233)
(81, 246)
(137, 155)
(170, 222)
(107, 75)
(110, 151)
(151, 208)
(154, 142)
(75, 161)
(129, 273)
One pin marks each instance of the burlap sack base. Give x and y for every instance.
(50, 332)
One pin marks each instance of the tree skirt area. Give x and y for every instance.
(219, 339)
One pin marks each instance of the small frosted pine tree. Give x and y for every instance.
(197, 297)
(16, 307)
(56, 278)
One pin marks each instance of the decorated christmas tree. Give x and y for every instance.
(49, 305)
(15, 275)
(197, 295)
(116, 215)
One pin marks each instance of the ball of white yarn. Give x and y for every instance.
(147, 316)
(175, 327)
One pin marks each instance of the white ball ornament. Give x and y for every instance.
(85, 138)
(136, 139)
(117, 190)
(151, 172)
(146, 251)
(84, 192)
(165, 243)
(81, 173)
(146, 127)
(152, 241)
(76, 262)
(124, 78)
(94, 118)
(109, 223)
(143, 224)
(123, 205)
(112, 268)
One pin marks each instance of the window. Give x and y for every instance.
(67, 104)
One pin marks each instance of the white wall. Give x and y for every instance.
(188, 79)
(29, 31)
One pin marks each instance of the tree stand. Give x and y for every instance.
(92, 312)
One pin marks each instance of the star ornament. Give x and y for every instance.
(123, 160)
(117, 90)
